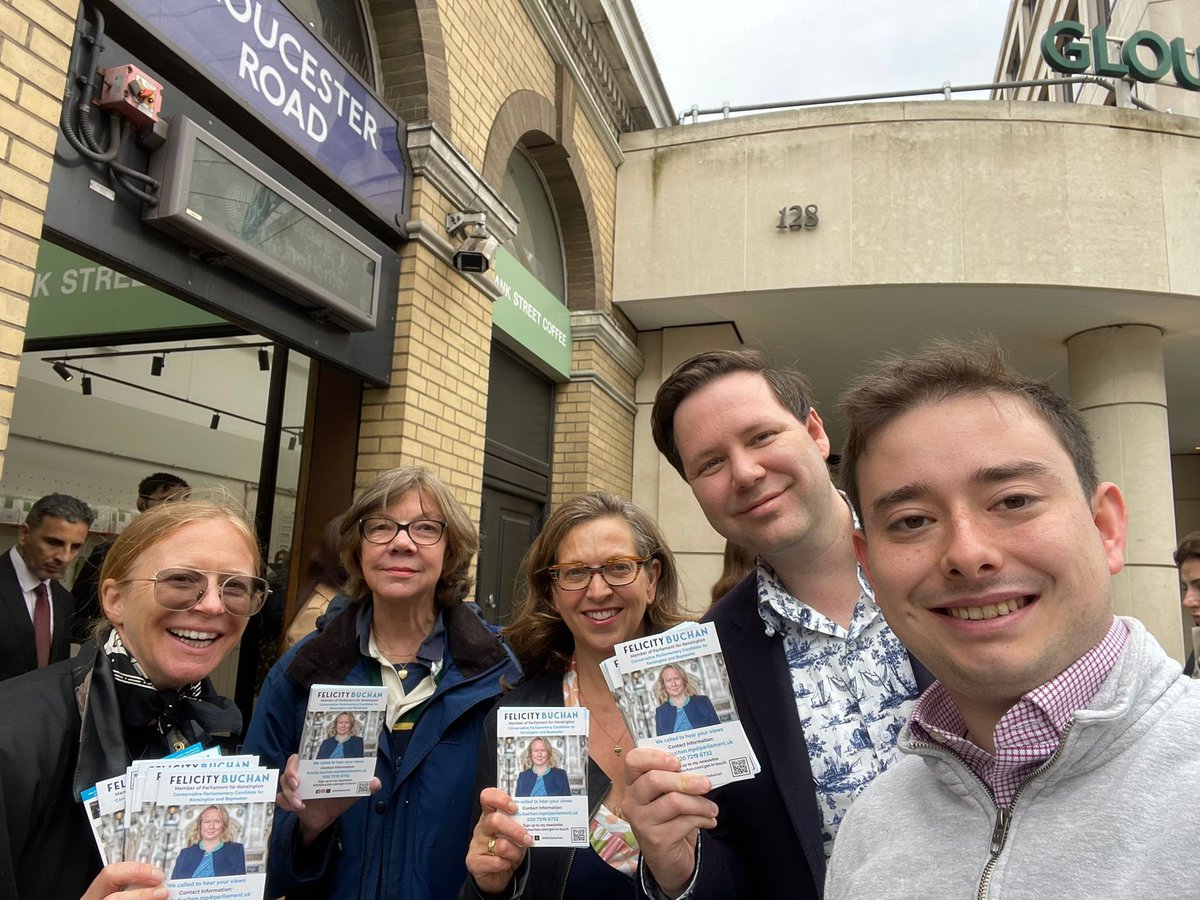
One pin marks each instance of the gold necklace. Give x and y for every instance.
(407, 658)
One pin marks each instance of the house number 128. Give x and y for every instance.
(793, 218)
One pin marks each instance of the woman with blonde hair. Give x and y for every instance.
(540, 773)
(680, 708)
(176, 590)
(211, 852)
(342, 740)
(599, 573)
(408, 548)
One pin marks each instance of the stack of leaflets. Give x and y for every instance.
(342, 728)
(542, 762)
(674, 693)
(203, 818)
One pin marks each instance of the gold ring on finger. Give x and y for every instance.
(491, 846)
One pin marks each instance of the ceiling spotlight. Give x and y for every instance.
(86, 385)
(215, 421)
(264, 360)
(157, 364)
(63, 372)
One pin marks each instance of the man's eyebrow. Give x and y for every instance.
(984, 476)
(900, 495)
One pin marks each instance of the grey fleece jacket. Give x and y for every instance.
(1115, 813)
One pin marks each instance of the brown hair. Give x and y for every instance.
(946, 369)
(790, 388)
(538, 635)
(158, 523)
(1189, 548)
(462, 540)
(737, 564)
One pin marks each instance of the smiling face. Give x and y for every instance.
(211, 825)
(401, 571)
(51, 546)
(344, 725)
(178, 648)
(601, 615)
(1189, 575)
(672, 682)
(538, 753)
(987, 560)
(757, 471)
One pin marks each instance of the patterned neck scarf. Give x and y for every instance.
(168, 719)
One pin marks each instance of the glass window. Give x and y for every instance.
(343, 25)
(537, 244)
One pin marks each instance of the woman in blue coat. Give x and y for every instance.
(408, 548)
(540, 773)
(680, 707)
(342, 740)
(211, 853)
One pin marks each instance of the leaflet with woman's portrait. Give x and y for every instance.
(541, 762)
(674, 692)
(342, 728)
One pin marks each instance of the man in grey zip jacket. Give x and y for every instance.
(1053, 756)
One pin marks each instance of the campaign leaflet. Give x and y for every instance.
(214, 825)
(342, 728)
(676, 696)
(105, 806)
(541, 762)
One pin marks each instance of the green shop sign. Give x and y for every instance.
(532, 316)
(1076, 55)
(76, 297)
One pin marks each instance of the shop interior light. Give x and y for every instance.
(157, 364)
(86, 385)
(264, 360)
(63, 372)
(292, 442)
(215, 421)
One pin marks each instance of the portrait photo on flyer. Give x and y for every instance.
(342, 728)
(541, 762)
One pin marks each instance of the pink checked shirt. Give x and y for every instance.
(1029, 733)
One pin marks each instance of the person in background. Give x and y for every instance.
(176, 590)
(151, 491)
(736, 564)
(408, 548)
(323, 578)
(1187, 557)
(35, 609)
(599, 573)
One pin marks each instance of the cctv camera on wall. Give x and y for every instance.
(478, 249)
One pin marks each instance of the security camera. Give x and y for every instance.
(476, 254)
(478, 249)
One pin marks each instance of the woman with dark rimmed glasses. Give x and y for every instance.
(176, 590)
(408, 547)
(599, 573)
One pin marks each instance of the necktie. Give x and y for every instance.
(41, 624)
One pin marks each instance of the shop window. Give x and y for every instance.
(537, 244)
(343, 25)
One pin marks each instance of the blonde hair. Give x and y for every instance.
(193, 836)
(462, 540)
(553, 761)
(331, 731)
(660, 690)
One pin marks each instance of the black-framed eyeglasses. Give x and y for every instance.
(616, 572)
(382, 530)
(179, 589)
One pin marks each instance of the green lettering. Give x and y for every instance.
(1074, 57)
(1153, 43)
(1183, 75)
(1103, 65)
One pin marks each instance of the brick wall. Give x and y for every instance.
(35, 45)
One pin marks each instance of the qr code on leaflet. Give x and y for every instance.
(739, 766)
(364, 787)
(578, 835)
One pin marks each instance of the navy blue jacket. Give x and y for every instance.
(228, 859)
(555, 781)
(767, 842)
(352, 750)
(409, 841)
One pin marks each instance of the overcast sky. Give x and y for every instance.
(753, 51)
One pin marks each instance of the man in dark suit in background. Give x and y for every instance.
(35, 610)
(152, 490)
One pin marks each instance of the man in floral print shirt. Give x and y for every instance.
(821, 684)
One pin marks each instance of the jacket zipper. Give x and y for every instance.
(1003, 813)
(571, 859)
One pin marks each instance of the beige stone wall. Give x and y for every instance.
(35, 41)
(602, 177)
